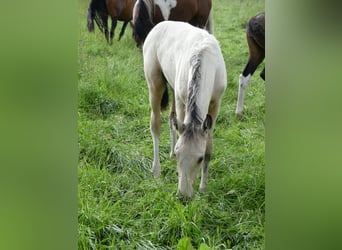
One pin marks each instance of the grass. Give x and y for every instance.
(121, 205)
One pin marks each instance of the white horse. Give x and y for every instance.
(189, 59)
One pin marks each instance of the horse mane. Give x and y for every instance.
(143, 24)
(191, 128)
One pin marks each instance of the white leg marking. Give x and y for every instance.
(165, 7)
(243, 83)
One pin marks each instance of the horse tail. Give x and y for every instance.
(95, 8)
(194, 85)
(143, 23)
(90, 16)
(209, 26)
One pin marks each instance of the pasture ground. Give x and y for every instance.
(120, 204)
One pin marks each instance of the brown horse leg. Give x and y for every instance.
(104, 18)
(122, 32)
(112, 29)
(256, 55)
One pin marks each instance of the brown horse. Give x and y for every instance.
(147, 13)
(118, 10)
(255, 32)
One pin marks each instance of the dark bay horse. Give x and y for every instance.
(118, 10)
(255, 33)
(147, 13)
(188, 61)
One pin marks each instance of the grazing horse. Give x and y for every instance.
(255, 32)
(118, 10)
(190, 62)
(147, 13)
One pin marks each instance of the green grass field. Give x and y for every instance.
(120, 204)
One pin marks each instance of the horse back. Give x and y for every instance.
(127, 11)
(121, 9)
(195, 12)
(163, 47)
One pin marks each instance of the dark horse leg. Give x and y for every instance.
(257, 54)
(104, 17)
(256, 45)
(112, 29)
(123, 30)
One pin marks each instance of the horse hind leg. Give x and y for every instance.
(112, 29)
(104, 18)
(122, 32)
(157, 90)
(256, 56)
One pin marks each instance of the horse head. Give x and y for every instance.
(190, 153)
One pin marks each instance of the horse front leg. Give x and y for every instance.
(207, 157)
(173, 126)
(213, 112)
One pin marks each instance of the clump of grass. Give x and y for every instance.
(121, 205)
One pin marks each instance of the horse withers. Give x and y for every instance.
(255, 33)
(190, 62)
(118, 10)
(148, 13)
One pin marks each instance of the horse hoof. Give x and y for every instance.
(239, 114)
(156, 172)
(203, 189)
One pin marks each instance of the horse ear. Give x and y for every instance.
(207, 124)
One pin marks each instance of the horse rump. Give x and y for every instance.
(256, 29)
